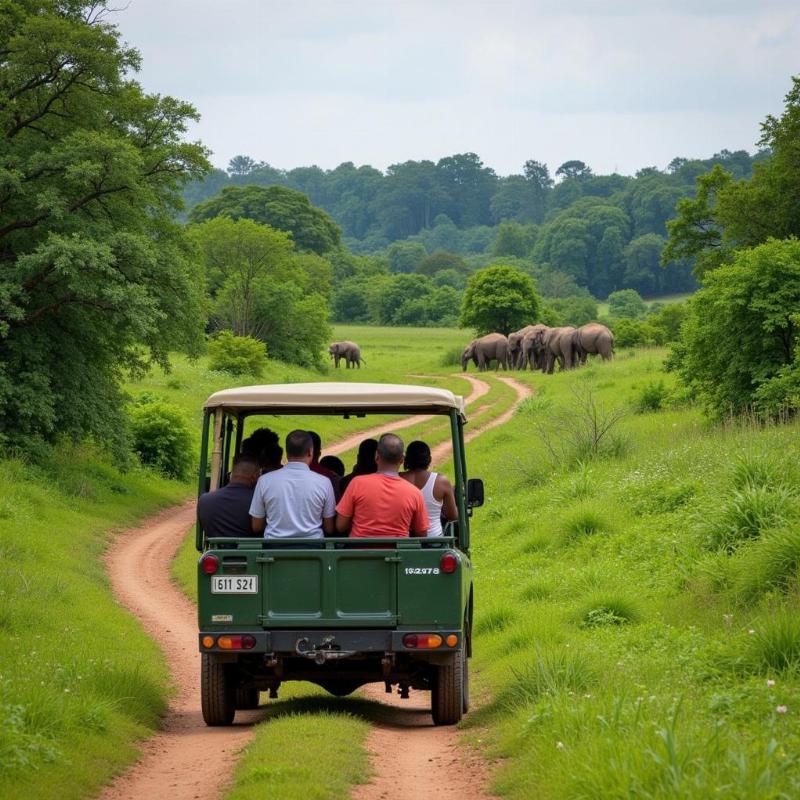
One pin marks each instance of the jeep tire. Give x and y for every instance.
(447, 691)
(217, 692)
(247, 699)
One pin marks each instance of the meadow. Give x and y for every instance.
(636, 596)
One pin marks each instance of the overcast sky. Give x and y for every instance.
(620, 84)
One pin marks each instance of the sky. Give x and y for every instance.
(619, 84)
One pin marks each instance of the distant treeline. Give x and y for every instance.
(606, 232)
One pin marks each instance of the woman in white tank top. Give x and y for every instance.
(440, 500)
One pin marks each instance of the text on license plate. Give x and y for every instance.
(234, 584)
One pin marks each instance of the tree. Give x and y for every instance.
(513, 239)
(405, 257)
(626, 303)
(281, 208)
(242, 165)
(740, 339)
(499, 298)
(574, 169)
(96, 279)
(643, 263)
(440, 261)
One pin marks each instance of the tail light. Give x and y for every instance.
(422, 641)
(449, 563)
(209, 564)
(245, 642)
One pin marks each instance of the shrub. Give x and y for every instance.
(775, 645)
(238, 355)
(771, 563)
(651, 397)
(626, 303)
(746, 514)
(161, 438)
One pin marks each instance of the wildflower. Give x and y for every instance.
(781, 709)
(559, 745)
(751, 631)
(770, 682)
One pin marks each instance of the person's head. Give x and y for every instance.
(299, 446)
(271, 457)
(365, 460)
(258, 440)
(334, 464)
(246, 469)
(317, 444)
(390, 452)
(418, 456)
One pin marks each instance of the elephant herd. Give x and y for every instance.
(539, 347)
(350, 352)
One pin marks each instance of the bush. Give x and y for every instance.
(746, 514)
(161, 438)
(630, 333)
(238, 355)
(626, 303)
(651, 397)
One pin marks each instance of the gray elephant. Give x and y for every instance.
(593, 339)
(492, 347)
(556, 344)
(531, 354)
(515, 346)
(349, 351)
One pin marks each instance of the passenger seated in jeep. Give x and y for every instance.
(383, 504)
(225, 512)
(440, 498)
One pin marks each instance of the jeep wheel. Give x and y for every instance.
(447, 696)
(217, 694)
(465, 684)
(247, 699)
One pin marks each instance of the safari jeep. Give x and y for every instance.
(338, 612)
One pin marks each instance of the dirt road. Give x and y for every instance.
(188, 761)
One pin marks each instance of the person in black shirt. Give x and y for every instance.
(226, 512)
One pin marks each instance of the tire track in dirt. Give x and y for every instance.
(188, 760)
(185, 760)
(412, 759)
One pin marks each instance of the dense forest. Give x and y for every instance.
(601, 232)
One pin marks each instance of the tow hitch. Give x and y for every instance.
(326, 650)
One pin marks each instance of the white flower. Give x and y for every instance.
(751, 631)
(781, 709)
(559, 745)
(770, 682)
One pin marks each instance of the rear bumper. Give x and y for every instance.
(294, 642)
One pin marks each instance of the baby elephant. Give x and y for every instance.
(492, 347)
(349, 351)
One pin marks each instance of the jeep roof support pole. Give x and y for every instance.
(216, 453)
(456, 433)
(201, 479)
(226, 459)
(239, 434)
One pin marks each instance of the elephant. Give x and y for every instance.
(515, 346)
(593, 339)
(492, 347)
(531, 355)
(349, 351)
(556, 343)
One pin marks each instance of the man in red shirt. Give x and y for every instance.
(382, 504)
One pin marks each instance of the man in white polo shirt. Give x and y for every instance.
(294, 502)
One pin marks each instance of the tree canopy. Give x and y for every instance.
(499, 298)
(96, 276)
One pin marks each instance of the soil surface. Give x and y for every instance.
(186, 760)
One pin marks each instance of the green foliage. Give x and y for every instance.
(513, 239)
(441, 261)
(237, 355)
(775, 645)
(633, 333)
(626, 303)
(583, 522)
(494, 620)
(312, 230)
(740, 338)
(574, 311)
(651, 396)
(552, 672)
(771, 563)
(603, 610)
(405, 257)
(96, 277)
(668, 320)
(161, 438)
(499, 298)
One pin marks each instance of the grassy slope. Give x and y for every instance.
(620, 656)
(79, 680)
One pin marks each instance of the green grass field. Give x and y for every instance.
(636, 598)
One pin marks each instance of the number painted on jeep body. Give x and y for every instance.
(422, 570)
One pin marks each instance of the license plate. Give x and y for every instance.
(234, 584)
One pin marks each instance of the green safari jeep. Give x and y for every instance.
(338, 612)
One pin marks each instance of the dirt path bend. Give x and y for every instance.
(479, 389)
(185, 760)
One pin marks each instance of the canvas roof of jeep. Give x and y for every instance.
(335, 398)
